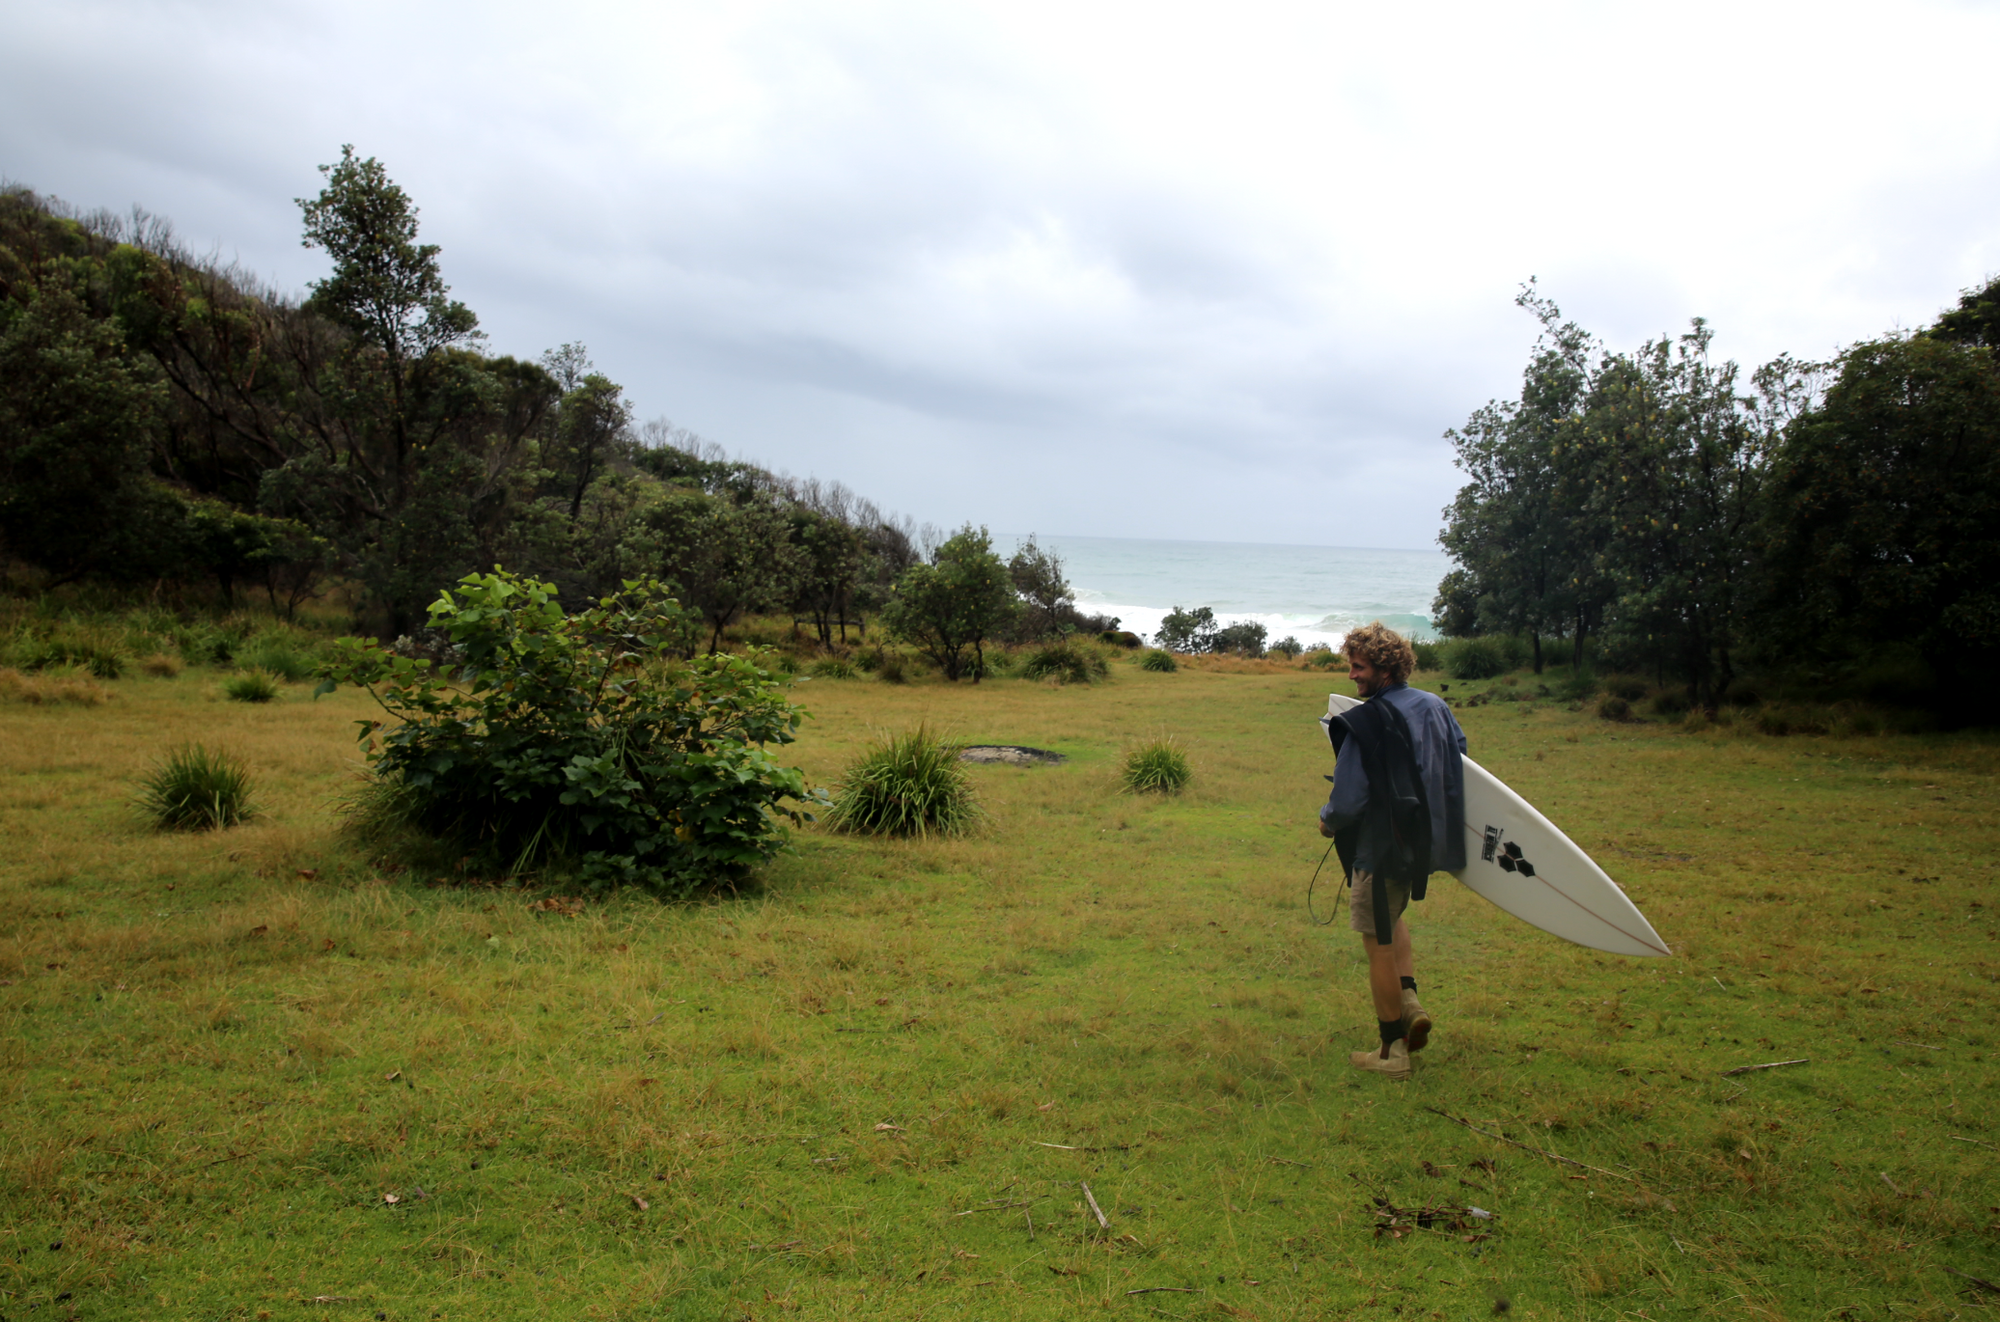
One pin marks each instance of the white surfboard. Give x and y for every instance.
(1519, 860)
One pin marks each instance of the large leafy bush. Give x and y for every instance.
(569, 741)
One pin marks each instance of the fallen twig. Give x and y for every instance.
(1967, 1276)
(1529, 1147)
(1892, 1186)
(1921, 1046)
(1184, 1289)
(1980, 1141)
(1096, 1211)
(1066, 1147)
(1772, 1065)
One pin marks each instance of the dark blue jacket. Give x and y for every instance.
(1438, 745)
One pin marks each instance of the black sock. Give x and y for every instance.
(1391, 1030)
(1409, 984)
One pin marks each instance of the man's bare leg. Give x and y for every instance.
(1387, 967)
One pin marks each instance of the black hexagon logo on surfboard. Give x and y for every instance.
(1507, 855)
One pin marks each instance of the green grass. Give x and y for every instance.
(1158, 660)
(909, 784)
(194, 789)
(1159, 767)
(220, 1053)
(250, 686)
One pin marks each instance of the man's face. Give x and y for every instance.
(1367, 679)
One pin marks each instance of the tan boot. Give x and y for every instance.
(1392, 1061)
(1416, 1021)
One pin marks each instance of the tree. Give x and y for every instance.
(1188, 631)
(386, 289)
(727, 558)
(1519, 528)
(832, 557)
(1883, 524)
(959, 599)
(1037, 575)
(592, 421)
(76, 415)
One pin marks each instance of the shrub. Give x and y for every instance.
(1475, 658)
(161, 666)
(564, 741)
(196, 790)
(1430, 655)
(1159, 659)
(1611, 707)
(1124, 638)
(892, 668)
(1245, 637)
(867, 661)
(1066, 662)
(1625, 686)
(833, 667)
(278, 658)
(58, 654)
(1158, 767)
(1576, 686)
(1322, 658)
(250, 686)
(1287, 647)
(907, 784)
(999, 661)
(1670, 702)
(52, 688)
(1785, 720)
(1188, 631)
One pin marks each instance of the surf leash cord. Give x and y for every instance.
(1310, 915)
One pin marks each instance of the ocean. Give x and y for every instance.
(1312, 593)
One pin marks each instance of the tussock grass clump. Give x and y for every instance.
(52, 688)
(906, 784)
(833, 667)
(1066, 662)
(1160, 660)
(278, 658)
(250, 686)
(1614, 708)
(1475, 658)
(1160, 767)
(196, 790)
(61, 654)
(892, 668)
(160, 666)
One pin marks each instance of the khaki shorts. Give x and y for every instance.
(1361, 908)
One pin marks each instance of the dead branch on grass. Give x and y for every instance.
(1772, 1065)
(1091, 1198)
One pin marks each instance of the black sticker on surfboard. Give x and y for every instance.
(1506, 862)
(1492, 843)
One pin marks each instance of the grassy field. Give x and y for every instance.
(251, 1075)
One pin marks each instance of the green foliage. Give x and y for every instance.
(1160, 660)
(1884, 517)
(50, 653)
(1246, 637)
(1475, 658)
(1670, 702)
(1614, 708)
(1430, 655)
(891, 667)
(1629, 687)
(1068, 662)
(250, 686)
(563, 741)
(1190, 631)
(196, 790)
(911, 784)
(1287, 647)
(833, 667)
(953, 605)
(1047, 601)
(1324, 658)
(1160, 767)
(277, 656)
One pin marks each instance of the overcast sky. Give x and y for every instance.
(1213, 272)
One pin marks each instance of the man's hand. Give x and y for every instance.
(1326, 832)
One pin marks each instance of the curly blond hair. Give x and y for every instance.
(1381, 647)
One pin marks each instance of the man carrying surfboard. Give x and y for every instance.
(1396, 814)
